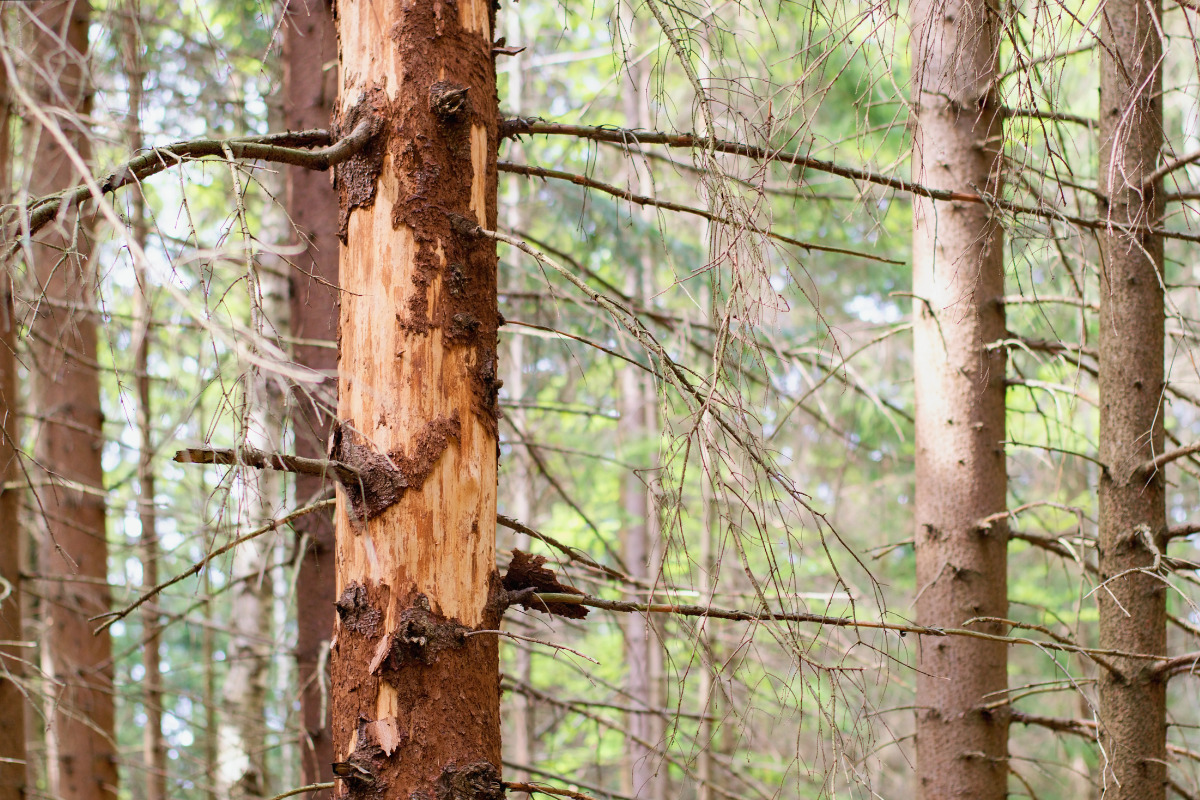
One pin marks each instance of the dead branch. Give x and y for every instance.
(666, 205)
(275, 524)
(572, 553)
(1156, 463)
(279, 148)
(258, 459)
(626, 137)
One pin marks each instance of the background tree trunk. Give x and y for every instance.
(310, 88)
(154, 747)
(66, 391)
(958, 280)
(12, 657)
(1132, 503)
(416, 705)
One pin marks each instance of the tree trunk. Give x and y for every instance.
(154, 747)
(416, 708)
(66, 390)
(309, 45)
(12, 657)
(643, 653)
(958, 280)
(1132, 503)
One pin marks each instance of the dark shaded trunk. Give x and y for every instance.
(1132, 503)
(416, 707)
(310, 89)
(958, 280)
(66, 391)
(12, 657)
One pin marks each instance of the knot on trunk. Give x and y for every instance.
(479, 780)
(448, 101)
(420, 637)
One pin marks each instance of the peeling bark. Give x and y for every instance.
(958, 279)
(1133, 731)
(417, 367)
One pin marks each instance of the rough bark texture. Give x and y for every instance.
(1132, 504)
(310, 89)
(12, 701)
(958, 280)
(416, 707)
(66, 391)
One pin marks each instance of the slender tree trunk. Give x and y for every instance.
(12, 657)
(416, 707)
(643, 654)
(520, 732)
(958, 280)
(154, 747)
(310, 88)
(66, 390)
(1132, 503)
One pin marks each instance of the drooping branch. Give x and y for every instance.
(666, 205)
(281, 148)
(1168, 168)
(114, 616)
(683, 610)
(627, 137)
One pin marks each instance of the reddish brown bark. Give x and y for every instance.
(12, 700)
(416, 709)
(310, 89)
(958, 279)
(66, 392)
(1132, 503)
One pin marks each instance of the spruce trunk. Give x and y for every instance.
(1132, 502)
(958, 283)
(416, 711)
(66, 392)
(310, 88)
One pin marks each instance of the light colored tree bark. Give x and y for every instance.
(1132, 502)
(416, 707)
(958, 280)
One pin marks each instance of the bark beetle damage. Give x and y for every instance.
(398, 731)
(434, 175)
(384, 478)
(420, 637)
(355, 179)
(527, 572)
(477, 781)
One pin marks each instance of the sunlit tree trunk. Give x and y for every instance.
(310, 89)
(12, 656)
(416, 708)
(1132, 502)
(643, 652)
(958, 281)
(65, 390)
(154, 748)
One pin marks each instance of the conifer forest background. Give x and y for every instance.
(655, 399)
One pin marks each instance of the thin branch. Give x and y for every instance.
(572, 553)
(642, 200)
(280, 148)
(821, 619)
(1167, 169)
(275, 524)
(312, 787)
(626, 137)
(1156, 463)
(537, 788)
